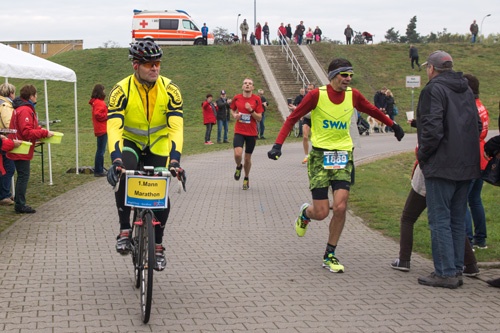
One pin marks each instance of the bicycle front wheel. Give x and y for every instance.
(148, 263)
(137, 239)
(137, 234)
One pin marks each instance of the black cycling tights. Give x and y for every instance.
(130, 162)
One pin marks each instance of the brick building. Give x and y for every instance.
(46, 48)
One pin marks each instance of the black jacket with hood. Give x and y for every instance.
(448, 128)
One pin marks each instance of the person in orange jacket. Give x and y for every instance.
(6, 145)
(25, 121)
(209, 112)
(99, 120)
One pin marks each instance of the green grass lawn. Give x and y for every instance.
(201, 70)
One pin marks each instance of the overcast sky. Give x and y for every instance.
(99, 21)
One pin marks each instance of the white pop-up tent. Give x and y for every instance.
(22, 65)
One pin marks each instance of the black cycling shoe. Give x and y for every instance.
(161, 262)
(123, 245)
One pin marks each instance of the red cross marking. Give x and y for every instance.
(143, 24)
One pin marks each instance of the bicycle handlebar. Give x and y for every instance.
(43, 122)
(7, 131)
(147, 173)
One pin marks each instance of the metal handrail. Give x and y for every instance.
(301, 76)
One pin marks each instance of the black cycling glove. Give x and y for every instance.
(398, 131)
(172, 167)
(176, 171)
(275, 153)
(114, 172)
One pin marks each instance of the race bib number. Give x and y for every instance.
(146, 192)
(245, 118)
(335, 159)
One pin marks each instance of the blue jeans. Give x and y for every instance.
(446, 206)
(221, 124)
(6, 180)
(473, 39)
(99, 154)
(266, 38)
(476, 214)
(260, 126)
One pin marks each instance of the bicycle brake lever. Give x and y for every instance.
(182, 177)
(117, 185)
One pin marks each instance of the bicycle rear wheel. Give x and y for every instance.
(148, 264)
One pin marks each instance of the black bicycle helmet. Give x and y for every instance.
(145, 50)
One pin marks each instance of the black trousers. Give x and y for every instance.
(414, 206)
(130, 162)
(414, 60)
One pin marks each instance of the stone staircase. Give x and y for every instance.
(282, 69)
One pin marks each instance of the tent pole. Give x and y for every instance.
(48, 128)
(76, 130)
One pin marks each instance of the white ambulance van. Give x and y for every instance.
(167, 27)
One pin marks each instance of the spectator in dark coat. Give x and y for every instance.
(379, 100)
(265, 31)
(289, 32)
(349, 33)
(223, 113)
(413, 53)
(474, 29)
(448, 127)
(299, 32)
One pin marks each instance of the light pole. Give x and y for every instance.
(237, 26)
(481, 30)
(254, 13)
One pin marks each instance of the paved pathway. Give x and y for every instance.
(234, 263)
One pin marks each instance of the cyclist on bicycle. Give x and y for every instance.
(145, 124)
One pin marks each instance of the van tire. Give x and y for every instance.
(198, 41)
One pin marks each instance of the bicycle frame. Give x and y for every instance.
(143, 240)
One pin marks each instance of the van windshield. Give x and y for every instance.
(189, 25)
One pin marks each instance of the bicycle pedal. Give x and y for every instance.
(123, 251)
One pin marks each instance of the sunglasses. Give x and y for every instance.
(150, 64)
(346, 74)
